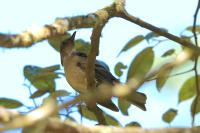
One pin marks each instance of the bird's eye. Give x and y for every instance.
(78, 64)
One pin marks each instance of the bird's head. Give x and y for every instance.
(67, 45)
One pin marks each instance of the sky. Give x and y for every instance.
(18, 16)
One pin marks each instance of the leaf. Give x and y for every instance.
(70, 118)
(110, 120)
(197, 109)
(51, 68)
(85, 112)
(191, 27)
(60, 93)
(135, 124)
(56, 41)
(169, 115)
(188, 89)
(45, 75)
(123, 105)
(163, 75)
(43, 84)
(131, 43)
(38, 93)
(153, 34)
(10, 103)
(118, 68)
(137, 98)
(168, 52)
(42, 78)
(141, 65)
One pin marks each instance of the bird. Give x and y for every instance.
(75, 63)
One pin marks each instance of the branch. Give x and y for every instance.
(18, 121)
(70, 127)
(62, 25)
(103, 16)
(159, 31)
(195, 65)
(41, 120)
(95, 38)
(59, 27)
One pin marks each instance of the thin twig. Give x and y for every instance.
(72, 102)
(159, 31)
(173, 75)
(195, 65)
(29, 88)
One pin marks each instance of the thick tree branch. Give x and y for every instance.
(62, 25)
(59, 27)
(70, 127)
(95, 39)
(41, 120)
(103, 16)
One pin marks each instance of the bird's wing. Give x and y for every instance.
(103, 74)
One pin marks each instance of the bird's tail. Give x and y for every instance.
(109, 104)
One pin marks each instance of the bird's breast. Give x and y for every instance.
(75, 75)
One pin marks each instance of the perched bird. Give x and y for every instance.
(74, 64)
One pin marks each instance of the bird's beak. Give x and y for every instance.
(68, 41)
(73, 36)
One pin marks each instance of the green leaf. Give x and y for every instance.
(85, 112)
(153, 34)
(10, 103)
(51, 68)
(141, 65)
(137, 98)
(43, 84)
(56, 41)
(196, 110)
(38, 93)
(42, 78)
(135, 124)
(82, 46)
(60, 93)
(169, 115)
(123, 105)
(118, 68)
(110, 120)
(131, 43)
(70, 118)
(188, 89)
(191, 27)
(163, 75)
(168, 52)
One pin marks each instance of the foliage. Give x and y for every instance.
(169, 115)
(141, 69)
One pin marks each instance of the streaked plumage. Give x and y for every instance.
(75, 65)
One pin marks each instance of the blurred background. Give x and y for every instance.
(173, 15)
